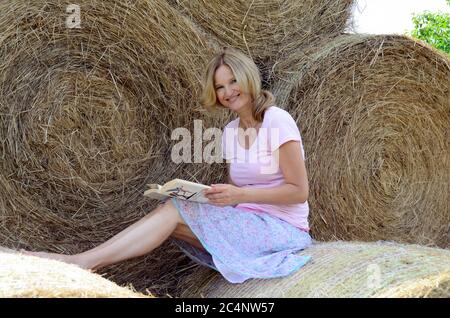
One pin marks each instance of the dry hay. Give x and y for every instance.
(265, 28)
(29, 276)
(342, 269)
(287, 68)
(435, 286)
(374, 113)
(86, 116)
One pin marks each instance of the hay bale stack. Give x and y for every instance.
(374, 113)
(86, 116)
(29, 276)
(264, 28)
(343, 269)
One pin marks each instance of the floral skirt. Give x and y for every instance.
(242, 244)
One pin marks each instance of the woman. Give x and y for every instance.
(252, 226)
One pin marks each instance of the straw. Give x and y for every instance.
(86, 117)
(342, 269)
(374, 114)
(265, 28)
(30, 276)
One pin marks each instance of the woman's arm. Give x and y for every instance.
(295, 189)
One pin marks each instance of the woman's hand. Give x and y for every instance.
(224, 194)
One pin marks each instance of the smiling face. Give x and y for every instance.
(228, 91)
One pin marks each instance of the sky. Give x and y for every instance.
(391, 16)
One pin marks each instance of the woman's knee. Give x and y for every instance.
(183, 232)
(169, 207)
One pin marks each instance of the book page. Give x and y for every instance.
(153, 186)
(185, 190)
(154, 194)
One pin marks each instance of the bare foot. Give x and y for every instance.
(69, 259)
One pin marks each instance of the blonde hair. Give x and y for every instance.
(247, 76)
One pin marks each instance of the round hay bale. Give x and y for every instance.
(342, 269)
(86, 116)
(287, 68)
(436, 286)
(374, 113)
(264, 28)
(29, 276)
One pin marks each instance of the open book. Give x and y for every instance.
(177, 188)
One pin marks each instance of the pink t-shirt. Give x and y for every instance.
(257, 166)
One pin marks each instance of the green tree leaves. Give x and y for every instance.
(433, 28)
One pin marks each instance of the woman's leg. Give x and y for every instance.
(182, 232)
(139, 239)
(126, 230)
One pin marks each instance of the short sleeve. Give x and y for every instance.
(282, 128)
